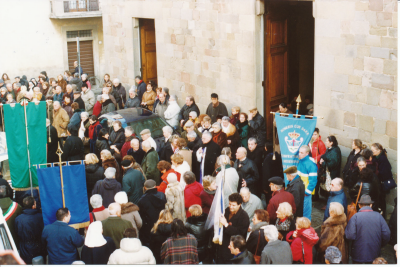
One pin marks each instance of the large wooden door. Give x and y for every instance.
(148, 50)
(87, 62)
(275, 62)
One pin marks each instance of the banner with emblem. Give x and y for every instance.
(293, 132)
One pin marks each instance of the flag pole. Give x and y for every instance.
(27, 145)
(296, 115)
(48, 116)
(59, 153)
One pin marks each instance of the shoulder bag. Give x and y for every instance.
(352, 208)
(257, 259)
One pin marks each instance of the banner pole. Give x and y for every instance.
(2, 118)
(48, 116)
(59, 153)
(273, 142)
(27, 146)
(294, 115)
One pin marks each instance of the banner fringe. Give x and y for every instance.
(25, 189)
(79, 225)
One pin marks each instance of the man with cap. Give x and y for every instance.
(296, 188)
(114, 226)
(369, 232)
(279, 195)
(150, 205)
(132, 182)
(333, 255)
(79, 100)
(146, 135)
(107, 187)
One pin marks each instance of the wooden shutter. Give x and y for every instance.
(87, 62)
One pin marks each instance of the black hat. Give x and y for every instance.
(276, 180)
(126, 163)
(365, 200)
(149, 184)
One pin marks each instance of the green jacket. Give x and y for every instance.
(132, 184)
(11, 210)
(332, 159)
(149, 166)
(115, 227)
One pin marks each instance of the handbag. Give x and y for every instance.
(257, 259)
(352, 208)
(328, 180)
(388, 185)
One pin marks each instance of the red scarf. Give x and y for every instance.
(215, 137)
(91, 129)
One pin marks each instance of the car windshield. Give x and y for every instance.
(155, 126)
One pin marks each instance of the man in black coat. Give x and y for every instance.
(117, 136)
(73, 147)
(150, 205)
(258, 128)
(255, 153)
(247, 170)
(239, 250)
(135, 151)
(52, 143)
(29, 226)
(215, 108)
(207, 155)
(270, 168)
(141, 87)
(189, 106)
(119, 90)
(296, 188)
(166, 150)
(78, 99)
(235, 222)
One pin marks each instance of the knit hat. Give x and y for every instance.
(110, 172)
(333, 255)
(149, 184)
(121, 197)
(172, 178)
(126, 163)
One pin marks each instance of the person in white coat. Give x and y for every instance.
(231, 178)
(181, 166)
(172, 112)
(131, 251)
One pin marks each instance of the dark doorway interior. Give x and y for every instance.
(289, 55)
(148, 50)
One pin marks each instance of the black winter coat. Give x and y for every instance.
(141, 89)
(73, 149)
(52, 146)
(247, 171)
(195, 226)
(120, 90)
(166, 152)
(78, 82)
(132, 102)
(9, 190)
(79, 100)
(101, 144)
(350, 165)
(184, 113)
(258, 129)
(137, 155)
(254, 238)
(213, 151)
(238, 225)
(117, 138)
(297, 189)
(158, 238)
(384, 167)
(245, 258)
(332, 160)
(94, 173)
(270, 169)
(370, 187)
(107, 188)
(98, 255)
(150, 205)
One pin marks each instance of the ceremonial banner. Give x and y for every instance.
(293, 133)
(16, 131)
(75, 194)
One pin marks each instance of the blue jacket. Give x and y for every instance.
(76, 118)
(58, 98)
(29, 226)
(308, 171)
(62, 242)
(336, 196)
(369, 232)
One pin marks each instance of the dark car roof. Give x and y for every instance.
(129, 115)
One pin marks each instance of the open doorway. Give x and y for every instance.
(148, 52)
(288, 55)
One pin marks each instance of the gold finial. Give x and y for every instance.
(298, 100)
(59, 152)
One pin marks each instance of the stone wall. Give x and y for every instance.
(356, 72)
(202, 47)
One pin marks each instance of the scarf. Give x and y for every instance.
(227, 166)
(215, 137)
(91, 129)
(94, 237)
(210, 192)
(242, 124)
(105, 103)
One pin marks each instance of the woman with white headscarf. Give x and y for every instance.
(97, 248)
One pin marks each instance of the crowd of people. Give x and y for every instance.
(149, 202)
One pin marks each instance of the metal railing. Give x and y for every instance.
(81, 6)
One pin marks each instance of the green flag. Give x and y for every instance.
(15, 127)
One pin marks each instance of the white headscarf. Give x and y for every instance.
(94, 237)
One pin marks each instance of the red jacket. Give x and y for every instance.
(309, 238)
(206, 200)
(317, 150)
(279, 197)
(192, 196)
(164, 183)
(97, 109)
(126, 146)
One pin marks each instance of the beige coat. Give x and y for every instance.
(187, 156)
(149, 98)
(60, 121)
(175, 201)
(130, 212)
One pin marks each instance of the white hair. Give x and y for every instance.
(167, 129)
(129, 129)
(223, 159)
(96, 201)
(84, 114)
(132, 90)
(271, 232)
(245, 190)
(116, 80)
(217, 124)
(173, 97)
(193, 113)
(134, 140)
(252, 139)
(146, 144)
(244, 150)
(306, 147)
(225, 118)
(207, 133)
(84, 75)
(114, 208)
(56, 102)
(192, 134)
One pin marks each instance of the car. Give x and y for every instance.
(139, 119)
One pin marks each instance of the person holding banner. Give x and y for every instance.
(307, 169)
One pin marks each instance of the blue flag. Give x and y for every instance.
(293, 133)
(75, 194)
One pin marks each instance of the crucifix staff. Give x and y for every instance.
(59, 152)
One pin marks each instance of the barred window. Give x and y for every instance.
(83, 33)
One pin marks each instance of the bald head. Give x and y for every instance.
(114, 209)
(241, 153)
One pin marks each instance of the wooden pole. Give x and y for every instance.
(295, 115)
(27, 146)
(59, 153)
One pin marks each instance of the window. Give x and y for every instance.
(83, 33)
(155, 126)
